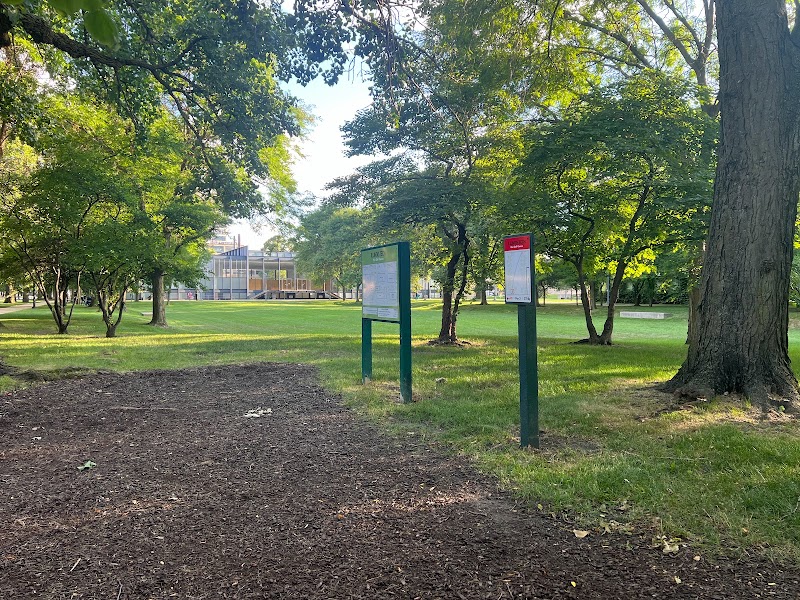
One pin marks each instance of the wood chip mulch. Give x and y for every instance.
(251, 481)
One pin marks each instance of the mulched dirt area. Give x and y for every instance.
(251, 481)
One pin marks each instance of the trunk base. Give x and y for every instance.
(597, 342)
(456, 343)
(780, 394)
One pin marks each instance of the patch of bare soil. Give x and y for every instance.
(253, 482)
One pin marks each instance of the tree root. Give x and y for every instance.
(589, 341)
(767, 398)
(453, 343)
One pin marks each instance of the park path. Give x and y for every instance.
(252, 481)
(9, 308)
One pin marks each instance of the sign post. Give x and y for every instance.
(386, 273)
(520, 290)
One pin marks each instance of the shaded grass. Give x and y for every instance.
(714, 474)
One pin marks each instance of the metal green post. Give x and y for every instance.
(528, 377)
(404, 279)
(520, 284)
(366, 350)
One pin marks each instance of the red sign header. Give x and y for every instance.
(521, 242)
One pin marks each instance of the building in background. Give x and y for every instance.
(237, 273)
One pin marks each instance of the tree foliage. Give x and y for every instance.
(329, 241)
(73, 188)
(627, 169)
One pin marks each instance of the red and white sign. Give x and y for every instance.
(518, 264)
(519, 242)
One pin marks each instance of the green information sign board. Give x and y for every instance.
(380, 272)
(386, 273)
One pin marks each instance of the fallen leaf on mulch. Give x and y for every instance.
(580, 533)
(257, 413)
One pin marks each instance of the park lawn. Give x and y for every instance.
(616, 454)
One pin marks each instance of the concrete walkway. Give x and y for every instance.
(9, 308)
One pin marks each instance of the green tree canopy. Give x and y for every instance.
(626, 169)
(73, 188)
(328, 242)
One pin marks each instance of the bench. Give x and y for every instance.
(644, 315)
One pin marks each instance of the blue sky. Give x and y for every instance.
(323, 151)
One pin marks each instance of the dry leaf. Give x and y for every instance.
(580, 533)
(670, 548)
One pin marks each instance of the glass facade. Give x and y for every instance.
(240, 274)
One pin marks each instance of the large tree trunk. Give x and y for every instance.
(448, 287)
(613, 295)
(740, 340)
(587, 308)
(159, 311)
(450, 303)
(460, 293)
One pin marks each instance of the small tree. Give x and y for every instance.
(329, 242)
(78, 181)
(114, 250)
(487, 256)
(278, 243)
(627, 169)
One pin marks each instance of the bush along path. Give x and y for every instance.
(252, 482)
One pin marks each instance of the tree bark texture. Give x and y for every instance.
(446, 330)
(450, 301)
(613, 295)
(587, 308)
(461, 288)
(739, 342)
(159, 310)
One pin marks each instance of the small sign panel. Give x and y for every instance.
(379, 268)
(519, 266)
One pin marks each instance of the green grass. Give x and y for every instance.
(715, 475)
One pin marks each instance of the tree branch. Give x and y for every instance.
(629, 45)
(685, 22)
(670, 35)
(41, 32)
